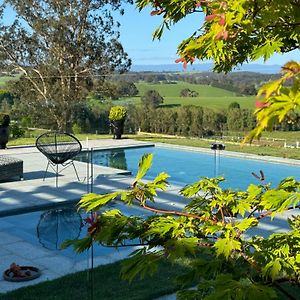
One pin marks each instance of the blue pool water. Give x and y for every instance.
(186, 166)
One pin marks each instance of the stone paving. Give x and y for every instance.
(21, 203)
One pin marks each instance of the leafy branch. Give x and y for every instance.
(212, 226)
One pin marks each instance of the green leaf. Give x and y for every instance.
(246, 224)
(181, 247)
(226, 246)
(140, 264)
(79, 245)
(144, 165)
(94, 202)
(272, 268)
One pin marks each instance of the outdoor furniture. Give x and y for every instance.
(60, 148)
(10, 167)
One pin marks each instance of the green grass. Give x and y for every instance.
(5, 79)
(212, 102)
(107, 285)
(235, 147)
(31, 140)
(210, 97)
(173, 90)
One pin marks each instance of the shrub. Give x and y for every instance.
(4, 120)
(117, 113)
(16, 131)
(76, 128)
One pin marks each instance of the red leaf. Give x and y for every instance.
(222, 21)
(260, 104)
(225, 35)
(156, 12)
(178, 60)
(210, 17)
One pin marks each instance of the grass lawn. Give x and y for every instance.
(107, 285)
(235, 147)
(31, 140)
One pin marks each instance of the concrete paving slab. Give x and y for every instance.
(26, 250)
(7, 239)
(57, 264)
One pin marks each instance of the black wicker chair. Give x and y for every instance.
(60, 148)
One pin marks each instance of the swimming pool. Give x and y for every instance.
(187, 166)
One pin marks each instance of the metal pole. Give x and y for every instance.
(215, 175)
(217, 162)
(92, 171)
(56, 175)
(88, 171)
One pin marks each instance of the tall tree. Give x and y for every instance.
(58, 46)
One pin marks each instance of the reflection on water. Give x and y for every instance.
(117, 160)
(114, 158)
(57, 225)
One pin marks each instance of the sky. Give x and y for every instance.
(136, 37)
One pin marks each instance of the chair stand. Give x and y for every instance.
(54, 167)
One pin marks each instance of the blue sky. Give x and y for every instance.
(136, 36)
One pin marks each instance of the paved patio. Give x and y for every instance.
(22, 203)
(33, 193)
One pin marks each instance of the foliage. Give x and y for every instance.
(126, 88)
(188, 93)
(190, 121)
(281, 100)
(16, 131)
(76, 129)
(233, 31)
(4, 120)
(234, 105)
(117, 113)
(210, 232)
(58, 48)
(6, 96)
(152, 98)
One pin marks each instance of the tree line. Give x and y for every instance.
(242, 83)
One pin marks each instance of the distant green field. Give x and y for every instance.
(211, 97)
(212, 102)
(173, 90)
(4, 79)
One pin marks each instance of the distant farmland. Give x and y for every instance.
(209, 96)
(4, 79)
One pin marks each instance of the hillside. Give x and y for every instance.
(211, 97)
